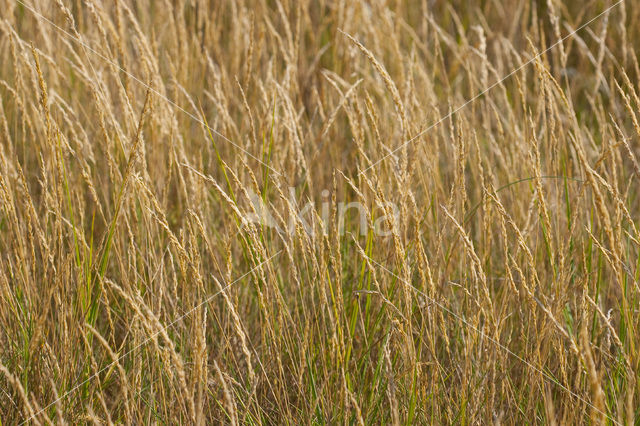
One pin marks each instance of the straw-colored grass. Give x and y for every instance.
(495, 279)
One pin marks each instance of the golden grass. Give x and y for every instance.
(137, 137)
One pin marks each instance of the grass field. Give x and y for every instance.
(319, 212)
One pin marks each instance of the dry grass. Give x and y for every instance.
(135, 137)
